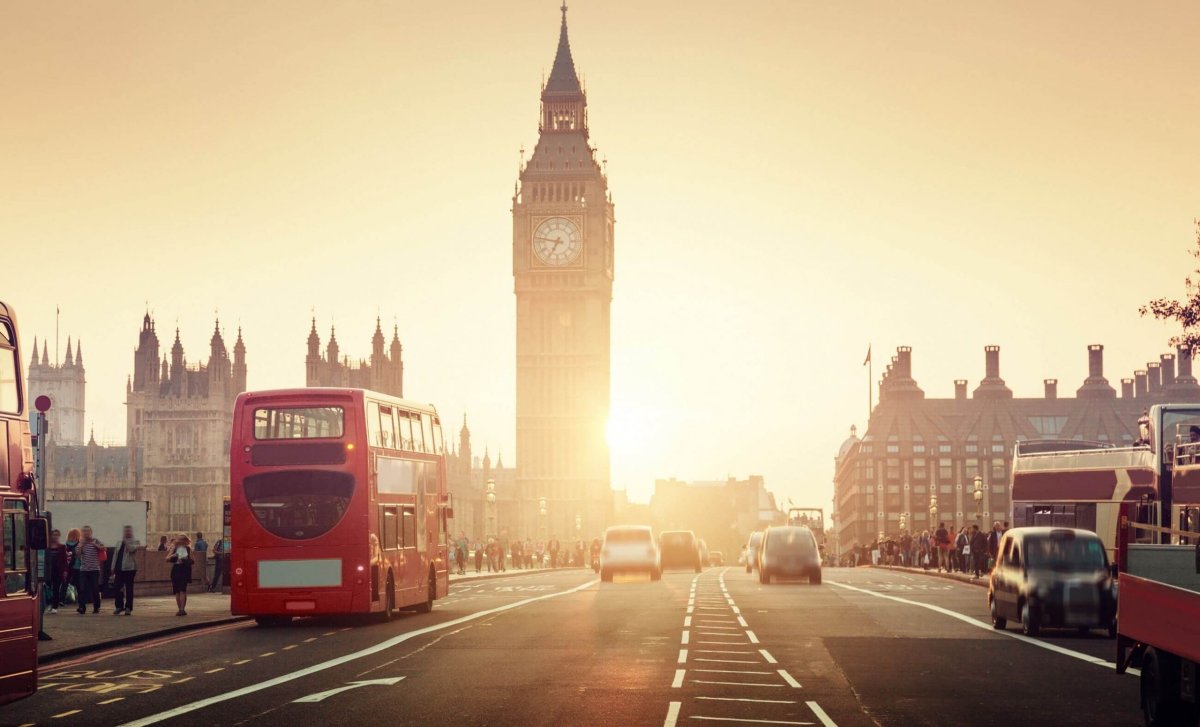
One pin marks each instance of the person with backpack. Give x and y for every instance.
(124, 570)
(58, 571)
(181, 571)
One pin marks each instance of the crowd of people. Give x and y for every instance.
(496, 554)
(81, 569)
(970, 549)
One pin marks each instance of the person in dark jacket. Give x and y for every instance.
(58, 571)
(979, 550)
(124, 571)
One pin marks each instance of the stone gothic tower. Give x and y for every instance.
(65, 383)
(563, 276)
(383, 372)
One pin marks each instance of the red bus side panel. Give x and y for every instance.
(1160, 615)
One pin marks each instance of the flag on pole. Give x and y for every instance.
(867, 360)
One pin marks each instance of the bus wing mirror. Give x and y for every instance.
(37, 533)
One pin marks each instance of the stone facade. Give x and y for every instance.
(722, 512)
(563, 276)
(384, 372)
(467, 478)
(92, 472)
(918, 451)
(64, 382)
(178, 422)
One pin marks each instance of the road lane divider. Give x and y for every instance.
(677, 682)
(346, 658)
(821, 715)
(789, 679)
(672, 714)
(683, 656)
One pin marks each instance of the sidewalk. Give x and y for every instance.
(955, 576)
(152, 616)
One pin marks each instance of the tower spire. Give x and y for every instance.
(563, 79)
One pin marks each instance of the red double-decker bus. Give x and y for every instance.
(19, 602)
(338, 504)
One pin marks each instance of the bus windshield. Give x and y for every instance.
(299, 505)
(316, 422)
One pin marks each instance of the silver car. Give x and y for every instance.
(629, 548)
(752, 550)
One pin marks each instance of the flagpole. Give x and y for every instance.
(870, 387)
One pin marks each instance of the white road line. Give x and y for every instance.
(687, 621)
(742, 622)
(672, 714)
(755, 721)
(721, 651)
(735, 609)
(683, 656)
(353, 656)
(727, 661)
(739, 684)
(988, 627)
(690, 608)
(745, 699)
(732, 671)
(686, 637)
(752, 637)
(767, 655)
(716, 629)
(724, 643)
(825, 720)
(789, 679)
(678, 681)
(716, 620)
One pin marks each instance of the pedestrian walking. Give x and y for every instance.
(527, 548)
(73, 537)
(478, 556)
(92, 555)
(124, 571)
(979, 550)
(552, 548)
(218, 566)
(181, 561)
(58, 571)
(162, 543)
(201, 552)
(942, 541)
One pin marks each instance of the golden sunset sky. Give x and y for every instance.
(793, 180)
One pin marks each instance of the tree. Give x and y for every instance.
(1186, 312)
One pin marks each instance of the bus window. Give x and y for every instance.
(404, 430)
(373, 423)
(427, 427)
(318, 422)
(389, 527)
(408, 527)
(14, 547)
(437, 436)
(10, 393)
(396, 476)
(418, 440)
(387, 428)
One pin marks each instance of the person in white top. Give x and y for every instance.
(180, 556)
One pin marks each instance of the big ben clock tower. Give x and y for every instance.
(563, 275)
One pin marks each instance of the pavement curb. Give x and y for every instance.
(135, 638)
(981, 582)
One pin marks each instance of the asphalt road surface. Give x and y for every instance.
(868, 647)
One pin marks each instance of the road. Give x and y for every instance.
(868, 647)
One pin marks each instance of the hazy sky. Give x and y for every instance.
(793, 180)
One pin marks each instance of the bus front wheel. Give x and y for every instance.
(427, 605)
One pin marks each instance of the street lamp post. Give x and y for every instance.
(933, 512)
(542, 510)
(490, 496)
(978, 495)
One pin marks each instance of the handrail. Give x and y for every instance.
(1099, 450)
(1162, 530)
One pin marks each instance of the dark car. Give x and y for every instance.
(679, 549)
(789, 552)
(1052, 577)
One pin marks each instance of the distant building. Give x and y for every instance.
(919, 451)
(64, 383)
(383, 372)
(467, 478)
(178, 421)
(722, 512)
(91, 472)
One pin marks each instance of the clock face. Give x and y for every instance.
(557, 241)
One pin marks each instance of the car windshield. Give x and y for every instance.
(1065, 554)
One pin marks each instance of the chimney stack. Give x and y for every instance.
(1051, 388)
(960, 389)
(1095, 386)
(992, 386)
(1184, 359)
(1154, 377)
(1126, 388)
(1167, 367)
(1141, 384)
